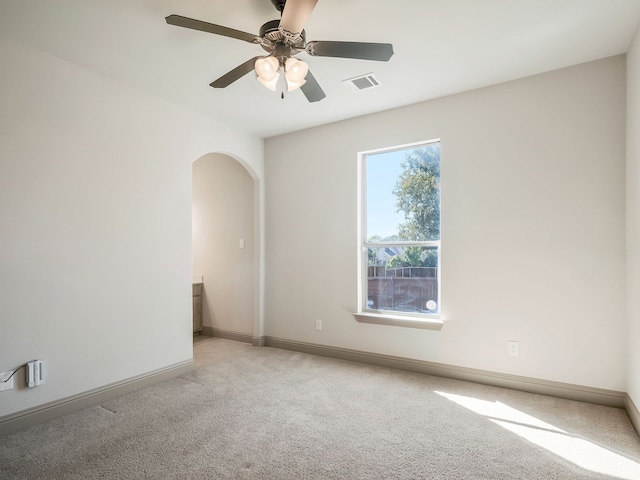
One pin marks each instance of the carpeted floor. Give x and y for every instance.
(254, 413)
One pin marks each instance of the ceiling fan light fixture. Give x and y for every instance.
(270, 84)
(291, 86)
(295, 73)
(268, 71)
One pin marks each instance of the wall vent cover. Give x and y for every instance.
(362, 82)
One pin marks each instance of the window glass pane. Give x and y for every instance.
(403, 195)
(403, 279)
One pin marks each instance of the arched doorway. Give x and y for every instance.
(224, 245)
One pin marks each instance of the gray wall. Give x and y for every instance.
(533, 241)
(633, 217)
(95, 225)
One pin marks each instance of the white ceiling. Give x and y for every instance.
(441, 47)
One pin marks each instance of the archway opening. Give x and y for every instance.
(224, 248)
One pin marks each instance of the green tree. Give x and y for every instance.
(394, 262)
(412, 257)
(430, 258)
(418, 194)
(419, 257)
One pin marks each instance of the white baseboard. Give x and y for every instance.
(32, 416)
(633, 412)
(48, 411)
(228, 335)
(569, 391)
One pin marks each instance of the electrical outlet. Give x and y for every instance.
(4, 383)
(318, 324)
(514, 351)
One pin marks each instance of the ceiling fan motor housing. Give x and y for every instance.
(272, 33)
(279, 4)
(269, 28)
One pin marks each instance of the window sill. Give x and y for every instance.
(425, 323)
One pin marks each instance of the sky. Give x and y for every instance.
(382, 170)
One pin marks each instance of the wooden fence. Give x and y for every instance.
(411, 272)
(403, 294)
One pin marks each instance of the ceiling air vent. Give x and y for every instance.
(363, 82)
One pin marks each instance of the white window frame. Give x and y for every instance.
(365, 314)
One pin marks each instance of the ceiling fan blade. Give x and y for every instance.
(312, 89)
(210, 28)
(295, 16)
(235, 74)
(381, 52)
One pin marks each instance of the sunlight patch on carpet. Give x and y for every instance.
(575, 449)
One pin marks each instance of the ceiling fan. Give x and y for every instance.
(282, 40)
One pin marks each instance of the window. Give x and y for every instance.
(400, 232)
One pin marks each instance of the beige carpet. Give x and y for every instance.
(253, 413)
